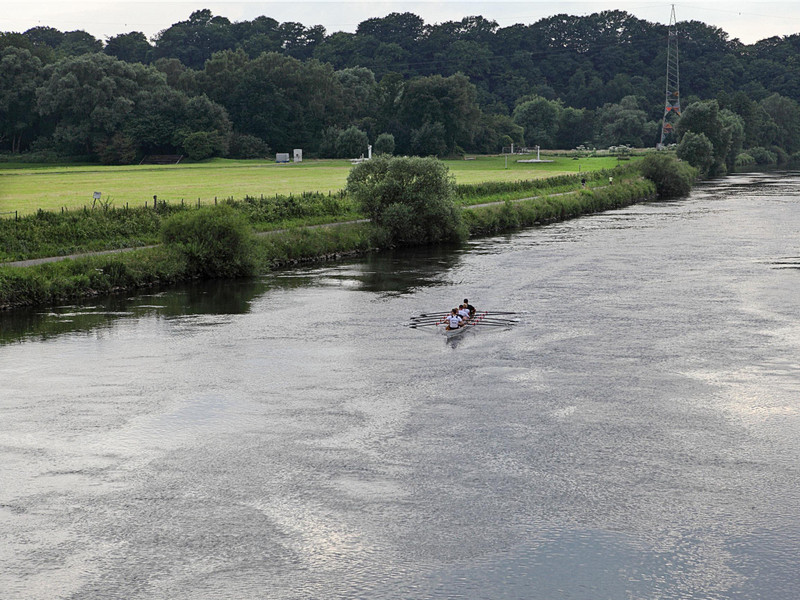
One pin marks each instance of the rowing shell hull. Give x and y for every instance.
(451, 333)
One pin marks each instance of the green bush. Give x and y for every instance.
(247, 146)
(672, 178)
(697, 150)
(200, 145)
(743, 159)
(351, 143)
(216, 241)
(384, 144)
(763, 156)
(411, 197)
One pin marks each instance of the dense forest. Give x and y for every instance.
(211, 87)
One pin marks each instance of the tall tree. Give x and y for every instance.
(445, 107)
(20, 74)
(130, 47)
(704, 117)
(194, 41)
(539, 117)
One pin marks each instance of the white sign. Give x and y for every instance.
(96, 195)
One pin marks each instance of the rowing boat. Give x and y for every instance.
(484, 318)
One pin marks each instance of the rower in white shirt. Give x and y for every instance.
(453, 320)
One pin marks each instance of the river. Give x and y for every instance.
(634, 435)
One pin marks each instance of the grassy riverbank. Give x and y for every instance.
(97, 275)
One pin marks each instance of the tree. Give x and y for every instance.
(411, 198)
(539, 118)
(734, 124)
(403, 29)
(625, 123)
(45, 36)
(195, 40)
(704, 117)
(130, 47)
(20, 74)
(199, 145)
(443, 107)
(697, 150)
(79, 42)
(285, 102)
(351, 143)
(359, 92)
(92, 98)
(384, 144)
(575, 127)
(785, 113)
(429, 139)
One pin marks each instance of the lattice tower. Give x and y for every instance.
(672, 102)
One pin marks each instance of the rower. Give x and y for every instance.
(469, 307)
(463, 312)
(453, 320)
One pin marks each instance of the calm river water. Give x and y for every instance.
(636, 435)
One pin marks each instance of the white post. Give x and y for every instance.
(537, 152)
(512, 147)
(369, 151)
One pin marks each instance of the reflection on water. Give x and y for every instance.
(214, 297)
(634, 436)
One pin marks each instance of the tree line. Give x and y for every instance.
(209, 87)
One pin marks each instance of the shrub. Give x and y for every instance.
(697, 150)
(763, 156)
(384, 144)
(411, 197)
(247, 146)
(671, 177)
(215, 241)
(743, 159)
(200, 145)
(351, 143)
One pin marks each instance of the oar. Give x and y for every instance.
(496, 320)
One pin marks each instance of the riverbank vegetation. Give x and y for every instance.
(107, 226)
(218, 241)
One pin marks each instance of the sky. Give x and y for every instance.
(748, 21)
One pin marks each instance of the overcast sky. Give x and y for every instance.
(748, 21)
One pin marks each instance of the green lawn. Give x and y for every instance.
(27, 188)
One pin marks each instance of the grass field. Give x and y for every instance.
(27, 188)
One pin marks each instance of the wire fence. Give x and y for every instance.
(11, 212)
